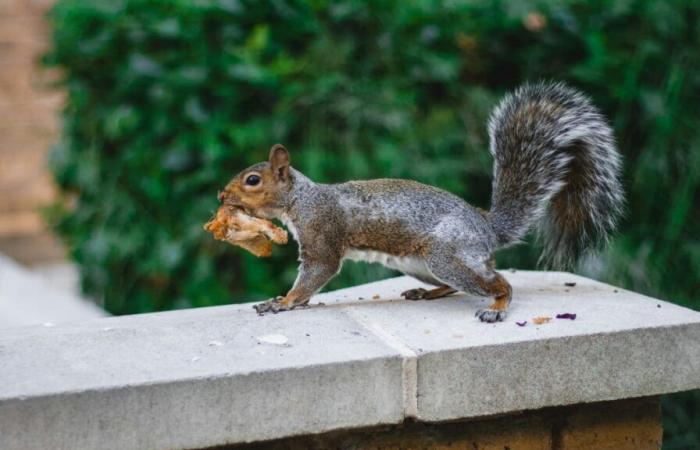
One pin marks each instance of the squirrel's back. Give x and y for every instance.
(404, 208)
(556, 167)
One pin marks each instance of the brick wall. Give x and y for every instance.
(28, 126)
(630, 424)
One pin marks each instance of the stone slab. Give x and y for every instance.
(621, 344)
(191, 379)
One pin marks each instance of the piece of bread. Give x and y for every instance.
(256, 235)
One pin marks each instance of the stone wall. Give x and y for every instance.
(357, 374)
(28, 126)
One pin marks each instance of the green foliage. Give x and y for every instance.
(168, 99)
(681, 421)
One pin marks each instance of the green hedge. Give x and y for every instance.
(168, 99)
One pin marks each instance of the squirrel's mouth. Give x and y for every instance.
(239, 206)
(231, 200)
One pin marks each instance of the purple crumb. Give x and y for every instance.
(521, 324)
(566, 316)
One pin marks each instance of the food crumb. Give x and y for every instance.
(375, 296)
(541, 320)
(569, 316)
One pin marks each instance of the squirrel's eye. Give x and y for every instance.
(252, 180)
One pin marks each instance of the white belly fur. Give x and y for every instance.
(405, 264)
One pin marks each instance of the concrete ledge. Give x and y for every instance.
(217, 376)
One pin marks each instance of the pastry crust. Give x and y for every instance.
(256, 235)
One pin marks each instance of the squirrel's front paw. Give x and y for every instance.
(274, 306)
(279, 304)
(491, 315)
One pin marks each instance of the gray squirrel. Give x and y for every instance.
(556, 168)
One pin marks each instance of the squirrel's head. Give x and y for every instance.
(262, 187)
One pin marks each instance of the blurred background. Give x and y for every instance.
(121, 119)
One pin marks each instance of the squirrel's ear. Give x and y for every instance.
(279, 160)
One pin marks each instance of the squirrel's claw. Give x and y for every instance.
(491, 315)
(277, 304)
(274, 306)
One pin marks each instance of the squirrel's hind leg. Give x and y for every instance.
(502, 293)
(428, 294)
(476, 278)
(441, 289)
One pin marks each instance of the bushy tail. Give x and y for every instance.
(555, 166)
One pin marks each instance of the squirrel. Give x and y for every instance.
(556, 168)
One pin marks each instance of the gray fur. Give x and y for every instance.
(418, 229)
(556, 166)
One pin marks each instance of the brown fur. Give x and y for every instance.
(391, 238)
(266, 195)
(500, 289)
(428, 294)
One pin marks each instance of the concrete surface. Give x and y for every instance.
(215, 376)
(62, 275)
(28, 298)
(621, 345)
(192, 379)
